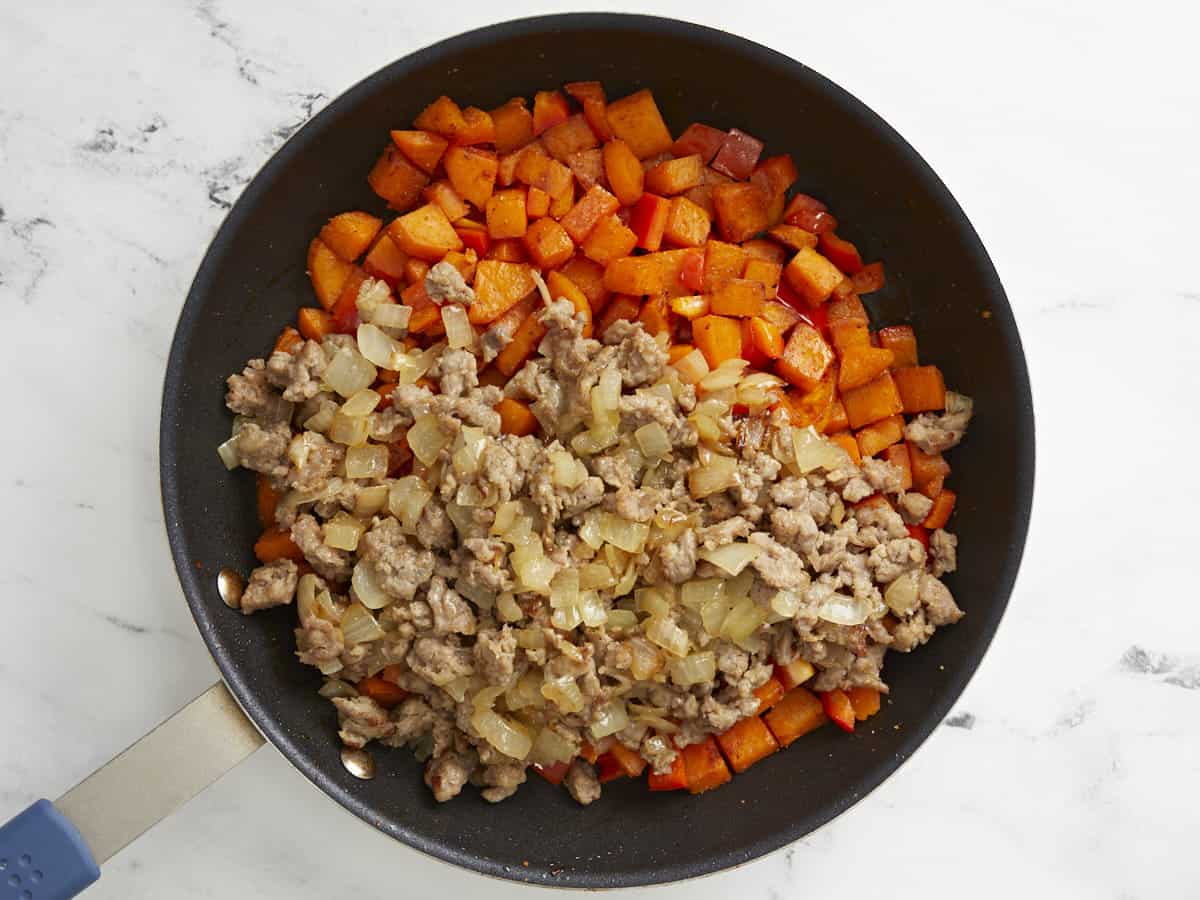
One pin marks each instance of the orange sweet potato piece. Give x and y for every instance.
(425, 233)
(722, 262)
(699, 138)
(549, 109)
(588, 167)
(719, 338)
(537, 203)
(847, 307)
(505, 213)
(859, 364)
(834, 419)
(516, 418)
(590, 95)
(846, 441)
(610, 239)
(441, 193)
(385, 260)
(327, 271)
(741, 210)
(765, 251)
(766, 337)
(690, 307)
(687, 224)
(589, 278)
(770, 693)
(397, 180)
(705, 766)
(314, 324)
(636, 120)
(386, 693)
(513, 124)
(415, 270)
(738, 297)
(868, 279)
(265, 500)
(289, 339)
(423, 149)
(532, 166)
(812, 276)
(569, 137)
(921, 388)
(926, 467)
(746, 743)
(561, 287)
(655, 315)
(349, 234)
(624, 172)
(275, 543)
(442, 116)
(865, 701)
(798, 713)
(674, 780)
(780, 315)
(943, 506)
(902, 341)
(478, 128)
(621, 306)
(465, 262)
(765, 273)
(776, 174)
(654, 273)
(793, 236)
(499, 286)
(548, 243)
(897, 455)
(472, 173)
(593, 206)
(878, 435)
(508, 250)
(810, 407)
(806, 357)
(847, 334)
(674, 176)
(737, 155)
(875, 400)
(521, 347)
(841, 253)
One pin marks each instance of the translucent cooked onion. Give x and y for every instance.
(564, 693)
(732, 558)
(652, 602)
(901, 595)
(739, 586)
(535, 575)
(306, 597)
(646, 658)
(692, 368)
(370, 500)
(720, 378)
(468, 448)
(652, 716)
(694, 669)
(477, 594)
(367, 590)
(359, 626)
(321, 420)
(592, 609)
(361, 404)
(455, 687)
(392, 318)
(786, 604)
(335, 687)
(350, 431)
(698, 591)
(550, 747)
(531, 638)
(712, 615)
(589, 443)
(627, 581)
(228, 451)
(719, 474)
(628, 536)
(621, 620)
(610, 718)
(668, 635)
(505, 515)
(706, 427)
(527, 692)
(653, 440)
(426, 439)
(565, 470)
(841, 609)
(589, 530)
(743, 620)
(605, 399)
(348, 372)
(460, 334)
(815, 452)
(507, 736)
(506, 605)
(567, 618)
(342, 532)
(595, 577)
(406, 500)
(564, 589)
(376, 346)
(367, 461)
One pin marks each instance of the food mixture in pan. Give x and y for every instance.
(590, 460)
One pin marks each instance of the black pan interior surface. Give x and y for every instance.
(891, 205)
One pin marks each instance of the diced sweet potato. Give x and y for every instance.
(516, 418)
(636, 120)
(442, 116)
(897, 455)
(810, 407)
(533, 167)
(765, 337)
(847, 442)
(865, 701)
(478, 128)
(473, 235)
(397, 180)
(415, 270)
(507, 163)
(741, 210)
(835, 419)
(798, 713)
(722, 262)
(780, 315)
(846, 334)
(550, 108)
(861, 363)
(655, 315)
(621, 306)
(719, 338)
(590, 95)
(687, 224)
(498, 287)
(699, 138)
(933, 487)
(767, 251)
(902, 341)
(275, 543)
(609, 240)
(842, 254)
(769, 693)
(926, 467)
(793, 236)
(508, 250)
(425, 233)
(314, 324)
(943, 506)
(922, 388)
(806, 357)
(738, 297)
(776, 173)
(345, 309)
(746, 743)
(514, 125)
(528, 335)
(465, 262)
(849, 307)
(593, 206)
(423, 149)
(809, 213)
(537, 203)
(737, 155)
(765, 273)
(472, 173)
(562, 198)
(441, 193)
(654, 273)
(569, 137)
(875, 400)
(505, 213)
(875, 437)
(674, 176)
(792, 675)
(327, 271)
(868, 279)
(812, 276)
(589, 278)
(705, 766)
(562, 288)
(624, 172)
(349, 234)
(548, 243)
(588, 167)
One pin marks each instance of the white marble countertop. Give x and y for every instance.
(1069, 133)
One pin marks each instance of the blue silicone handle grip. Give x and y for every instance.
(43, 856)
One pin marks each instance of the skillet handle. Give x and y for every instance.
(53, 851)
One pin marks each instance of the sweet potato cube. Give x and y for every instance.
(780, 315)
(776, 174)
(624, 172)
(569, 137)
(902, 341)
(590, 95)
(415, 270)
(868, 279)
(690, 307)
(526, 339)
(620, 307)
(442, 116)
(537, 203)
(513, 124)
(738, 297)
(848, 333)
(425, 233)
(674, 176)
(472, 173)
(508, 250)
(562, 199)
(593, 206)
(516, 418)
(841, 253)
(846, 441)
(609, 240)
(865, 701)
(588, 167)
(943, 506)
(589, 278)
(806, 357)
(327, 271)
(798, 713)
(812, 276)
(741, 210)
(349, 234)
(443, 195)
(835, 418)
(313, 323)
(793, 236)
(687, 224)
(465, 262)
(385, 260)
(508, 163)
(722, 261)
(769, 693)
(737, 155)
(655, 315)
(809, 213)
(767, 338)
(550, 108)
(860, 364)
(897, 455)
(767, 251)
(765, 273)
(478, 128)
(746, 743)
(926, 467)
(548, 243)
(473, 235)
(879, 435)
(921, 388)
(705, 767)
(499, 286)
(397, 180)
(505, 212)
(636, 120)
(562, 288)
(718, 338)
(699, 138)
(875, 400)
(848, 307)
(423, 149)
(805, 408)
(654, 273)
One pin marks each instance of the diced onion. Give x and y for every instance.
(368, 461)
(365, 582)
(719, 474)
(376, 346)
(372, 294)
(595, 577)
(407, 499)
(228, 451)
(620, 619)
(505, 515)
(567, 618)
(652, 601)
(653, 439)
(901, 594)
(426, 439)
(565, 470)
(392, 318)
(550, 747)
(564, 693)
(348, 372)
(694, 669)
(815, 452)
(692, 368)
(647, 660)
(564, 589)
(732, 558)
(698, 591)
(667, 635)
(743, 620)
(628, 536)
(342, 532)
(526, 692)
(612, 717)
(409, 365)
(506, 605)
(592, 609)
(468, 448)
(589, 531)
(321, 420)
(543, 290)
(713, 614)
(841, 609)
(335, 687)
(652, 716)
(352, 432)
(460, 333)
(535, 574)
(359, 626)
(455, 687)
(370, 500)
(605, 399)
(628, 580)
(507, 736)
(361, 404)
(719, 379)
(786, 604)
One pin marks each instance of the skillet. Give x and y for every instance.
(894, 207)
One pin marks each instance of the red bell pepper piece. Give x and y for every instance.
(839, 708)
(810, 214)
(813, 315)
(841, 253)
(675, 780)
(476, 239)
(649, 221)
(345, 313)
(692, 271)
(609, 768)
(919, 533)
(553, 774)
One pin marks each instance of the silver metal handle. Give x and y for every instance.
(161, 772)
